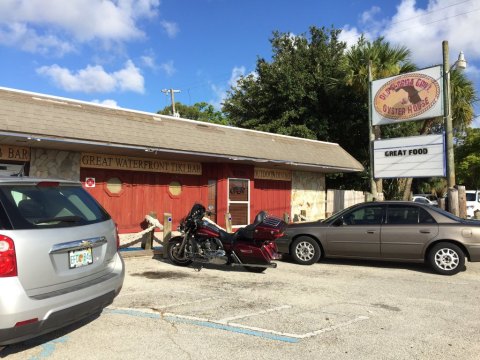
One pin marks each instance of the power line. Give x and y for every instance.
(433, 22)
(429, 12)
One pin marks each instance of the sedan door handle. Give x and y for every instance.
(425, 231)
(371, 231)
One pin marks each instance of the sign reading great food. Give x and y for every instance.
(415, 156)
(407, 97)
(272, 174)
(15, 153)
(103, 161)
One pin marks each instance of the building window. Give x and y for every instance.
(175, 188)
(239, 201)
(114, 186)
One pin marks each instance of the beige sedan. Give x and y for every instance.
(389, 230)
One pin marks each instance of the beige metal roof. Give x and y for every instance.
(37, 120)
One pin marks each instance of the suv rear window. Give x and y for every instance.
(52, 206)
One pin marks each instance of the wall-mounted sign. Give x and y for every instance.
(272, 174)
(415, 156)
(14, 153)
(407, 97)
(103, 161)
(90, 182)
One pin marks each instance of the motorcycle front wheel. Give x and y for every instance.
(172, 250)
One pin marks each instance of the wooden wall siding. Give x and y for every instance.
(271, 195)
(145, 192)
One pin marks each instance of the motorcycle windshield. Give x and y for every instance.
(197, 211)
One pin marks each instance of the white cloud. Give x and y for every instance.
(423, 30)
(237, 72)
(368, 16)
(350, 35)
(149, 61)
(17, 34)
(95, 78)
(169, 68)
(220, 91)
(107, 102)
(170, 27)
(76, 20)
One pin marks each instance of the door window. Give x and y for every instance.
(371, 215)
(404, 214)
(239, 201)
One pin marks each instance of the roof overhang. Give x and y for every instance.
(78, 145)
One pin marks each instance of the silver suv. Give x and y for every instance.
(59, 259)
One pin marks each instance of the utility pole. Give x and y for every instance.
(447, 105)
(172, 97)
(371, 135)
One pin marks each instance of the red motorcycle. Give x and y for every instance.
(204, 242)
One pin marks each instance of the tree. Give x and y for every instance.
(467, 159)
(390, 61)
(386, 61)
(296, 94)
(290, 94)
(201, 111)
(313, 87)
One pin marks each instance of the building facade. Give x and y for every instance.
(135, 163)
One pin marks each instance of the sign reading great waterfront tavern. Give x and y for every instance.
(103, 161)
(273, 174)
(415, 156)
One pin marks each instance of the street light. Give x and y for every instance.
(460, 64)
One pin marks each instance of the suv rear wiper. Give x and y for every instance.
(67, 219)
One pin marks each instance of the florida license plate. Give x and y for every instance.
(79, 258)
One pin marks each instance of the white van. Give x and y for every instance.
(473, 202)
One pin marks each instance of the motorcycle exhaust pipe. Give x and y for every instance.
(238, 262)
(271, 265)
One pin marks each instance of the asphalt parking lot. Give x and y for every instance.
(336, 309)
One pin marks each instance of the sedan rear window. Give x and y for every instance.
(34, 207)
(402, 215)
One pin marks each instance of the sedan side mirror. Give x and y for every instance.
(339, 222)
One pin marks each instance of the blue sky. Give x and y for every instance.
(124, 52)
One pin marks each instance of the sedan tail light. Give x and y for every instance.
(8, 258)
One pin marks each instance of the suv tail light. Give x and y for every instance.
(8, 259)
(118, 236)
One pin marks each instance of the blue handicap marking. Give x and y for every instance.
(49, 348)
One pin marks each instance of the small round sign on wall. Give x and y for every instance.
(90, 182)
(407, 96)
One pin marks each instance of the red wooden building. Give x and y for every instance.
(135, 162)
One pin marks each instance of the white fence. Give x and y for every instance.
(340, 199)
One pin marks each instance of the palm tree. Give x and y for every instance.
(390, 61)
(386, 61)
(463, 97)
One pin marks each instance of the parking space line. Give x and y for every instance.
(334, 327)
(238, 329)
(278, 308)
(234, 327)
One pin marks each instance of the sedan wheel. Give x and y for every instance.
(447, 259)
(305, 251)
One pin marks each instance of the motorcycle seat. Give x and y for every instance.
(226, 237)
